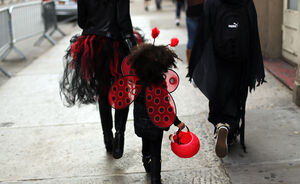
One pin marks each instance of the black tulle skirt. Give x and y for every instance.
(91, 64)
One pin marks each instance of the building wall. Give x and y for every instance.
(270, 19)
(270, 16)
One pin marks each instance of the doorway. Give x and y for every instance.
(290, 31)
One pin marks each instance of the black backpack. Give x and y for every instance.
(231, 35)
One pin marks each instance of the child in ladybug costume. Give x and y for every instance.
(148, 81)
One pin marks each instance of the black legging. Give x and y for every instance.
(106, 115)
(153, 148)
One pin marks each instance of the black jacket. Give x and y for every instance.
(109, 18)
(219, 80)
(205, 67)
(194, 8)
(143, 125)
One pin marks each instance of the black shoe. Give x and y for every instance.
(108, 141)
(118, 145)
(147, 163)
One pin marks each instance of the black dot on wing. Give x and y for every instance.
(157, 91)
(150, 109)
(157, 118)
(161, 109)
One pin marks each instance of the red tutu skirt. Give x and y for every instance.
(92, 63)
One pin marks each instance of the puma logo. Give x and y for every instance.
(234, 25)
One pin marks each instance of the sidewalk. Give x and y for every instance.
(43, 142)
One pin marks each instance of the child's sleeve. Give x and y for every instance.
(176, 121)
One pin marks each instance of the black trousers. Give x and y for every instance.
(153, 148)
(226, 105)
(230, 113)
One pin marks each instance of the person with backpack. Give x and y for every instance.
(93, 62)
(193, 19)
(225, 62)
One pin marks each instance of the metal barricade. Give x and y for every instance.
(12, 1)
(50, 22)
(5, 36)
(25, 21)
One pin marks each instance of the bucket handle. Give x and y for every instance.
(178, 133)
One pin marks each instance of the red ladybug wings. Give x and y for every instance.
(159, 102)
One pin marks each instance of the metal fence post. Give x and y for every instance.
(5, 35)
(25, 21)
(50, 21)
(12, 42)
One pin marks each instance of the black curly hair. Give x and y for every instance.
(151, 62)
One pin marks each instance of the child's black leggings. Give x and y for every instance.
(153, 148)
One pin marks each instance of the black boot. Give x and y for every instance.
(147, 163)
(120, 124)
(155, 170)
(106, 122)
(108, 141)
(118, 145)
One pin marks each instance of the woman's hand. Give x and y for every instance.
(181, 125)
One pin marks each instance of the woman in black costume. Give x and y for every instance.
(93, 62)
(226, 83)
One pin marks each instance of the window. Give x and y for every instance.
(293, 4)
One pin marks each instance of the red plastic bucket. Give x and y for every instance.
(184, 144)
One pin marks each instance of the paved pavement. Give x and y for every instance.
(44, 142)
